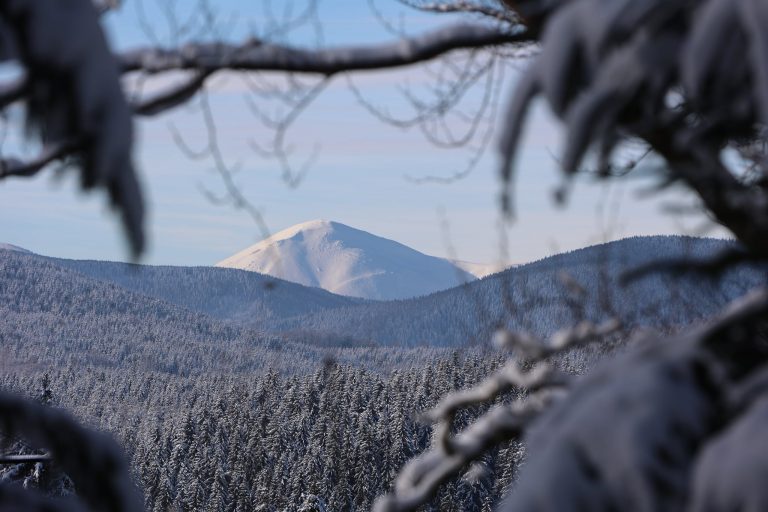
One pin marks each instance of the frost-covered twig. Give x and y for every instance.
(508, 378)
(534, 348)
(630, 433)
(421, 478)
(541, 376)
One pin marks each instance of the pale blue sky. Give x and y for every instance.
(359, 177)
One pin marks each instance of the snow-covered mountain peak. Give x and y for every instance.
(317, 225)
(348, 261)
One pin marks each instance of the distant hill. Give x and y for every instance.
(532, 297)
(227, 294)
(213, 318)
(53, 315)
(348, 261)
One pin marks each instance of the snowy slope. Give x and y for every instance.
(348, 261)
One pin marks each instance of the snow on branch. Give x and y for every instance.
(687, 78)
(506, 379)
(534, 348)
(71, 87)
(421, 477)
(93, 461)
(628, 433)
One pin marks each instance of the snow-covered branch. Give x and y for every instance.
(630, 432)
(742, 208)
(421, 478)
(533, 348)
(92, 460)
(74, 100)
(638, 395)
(506, 379)
(662, 72)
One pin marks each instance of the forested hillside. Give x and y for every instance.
(227, 294)
(331, 440)
(550, 294)
(540, 297)
(231, 395)
(54, 315)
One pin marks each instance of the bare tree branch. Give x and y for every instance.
(462, 6)
(255, 55)
(23, 459)
(173, 97)
(740, 207)
(19, 168)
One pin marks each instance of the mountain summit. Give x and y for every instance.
(348, 261)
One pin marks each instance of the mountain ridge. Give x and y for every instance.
(533, 296)
(530, 296)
